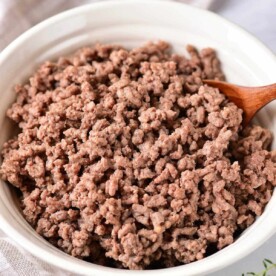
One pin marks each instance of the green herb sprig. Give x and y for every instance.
(268, 265)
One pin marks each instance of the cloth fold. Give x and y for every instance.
(14, 261)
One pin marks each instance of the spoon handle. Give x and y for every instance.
(261, 96)
(255, 98)
(265, 94)
(249, 99)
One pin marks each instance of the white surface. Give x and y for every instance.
(253, 262)
(256, 16)
(236, 50)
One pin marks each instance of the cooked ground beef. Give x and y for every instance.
(125, 157)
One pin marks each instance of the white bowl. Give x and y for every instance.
(245, 61)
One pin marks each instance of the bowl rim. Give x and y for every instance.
(78, 266)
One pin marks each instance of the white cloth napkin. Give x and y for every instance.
(16, 16)
(14, 261)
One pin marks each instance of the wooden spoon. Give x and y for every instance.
(249, 99)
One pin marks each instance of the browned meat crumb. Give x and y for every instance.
(125, 158)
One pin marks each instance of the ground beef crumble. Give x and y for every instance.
(125, 158)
